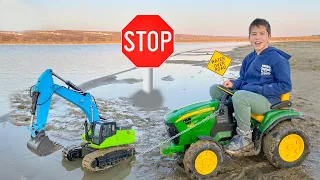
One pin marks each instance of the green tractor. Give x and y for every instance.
(200, 131)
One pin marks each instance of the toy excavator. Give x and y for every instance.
(212, 124)
(105, 143)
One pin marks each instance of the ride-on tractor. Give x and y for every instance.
(104, 143)
(283, 143)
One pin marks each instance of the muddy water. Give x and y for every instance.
(18, 163)
(65, 126)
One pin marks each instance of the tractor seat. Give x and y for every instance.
(283, 104)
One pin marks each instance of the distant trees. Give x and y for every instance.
(61, 36)
(88, 37)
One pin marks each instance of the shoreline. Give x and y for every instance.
(177, 42)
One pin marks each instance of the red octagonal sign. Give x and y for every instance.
(147, 41)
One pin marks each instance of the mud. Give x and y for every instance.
(66, 122)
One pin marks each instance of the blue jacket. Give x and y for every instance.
(267, 74)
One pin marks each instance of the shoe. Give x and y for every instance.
(240, 143)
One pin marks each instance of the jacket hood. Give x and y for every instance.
(282, 53)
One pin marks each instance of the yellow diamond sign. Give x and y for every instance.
(219, 63)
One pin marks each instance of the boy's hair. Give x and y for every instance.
(260, 22)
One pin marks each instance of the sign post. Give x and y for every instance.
(148, 80)
(147, 41)
(219, 63)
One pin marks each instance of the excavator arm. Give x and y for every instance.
(41, 94)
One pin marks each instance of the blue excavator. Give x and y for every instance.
(104, 145)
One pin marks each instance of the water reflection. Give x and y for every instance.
(120, 171)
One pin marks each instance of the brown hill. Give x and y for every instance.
(105, 37)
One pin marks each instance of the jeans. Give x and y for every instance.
(244, 103)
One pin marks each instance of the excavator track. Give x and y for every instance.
(103, 159)
(66, 152)
(74, 151)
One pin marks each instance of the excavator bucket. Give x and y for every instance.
(41, 145)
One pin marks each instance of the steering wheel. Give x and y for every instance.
(226, 90)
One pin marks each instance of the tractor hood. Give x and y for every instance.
(191, 109)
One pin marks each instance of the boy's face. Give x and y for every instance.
(259, 38)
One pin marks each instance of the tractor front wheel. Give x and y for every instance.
(202, 159)
(286, 145)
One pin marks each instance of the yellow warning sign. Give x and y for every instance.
(219, 63)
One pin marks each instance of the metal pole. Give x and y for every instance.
(148, 80)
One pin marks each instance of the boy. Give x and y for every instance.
(264, 76)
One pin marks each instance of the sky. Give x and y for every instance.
(200, 17)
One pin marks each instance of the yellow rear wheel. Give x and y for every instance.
(286, 145)
(202, 159)
(206, 162)
(291, 147)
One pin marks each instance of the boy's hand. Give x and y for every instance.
(227, 84)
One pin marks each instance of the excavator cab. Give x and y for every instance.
(103, 130)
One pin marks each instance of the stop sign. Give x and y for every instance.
(147, 41)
